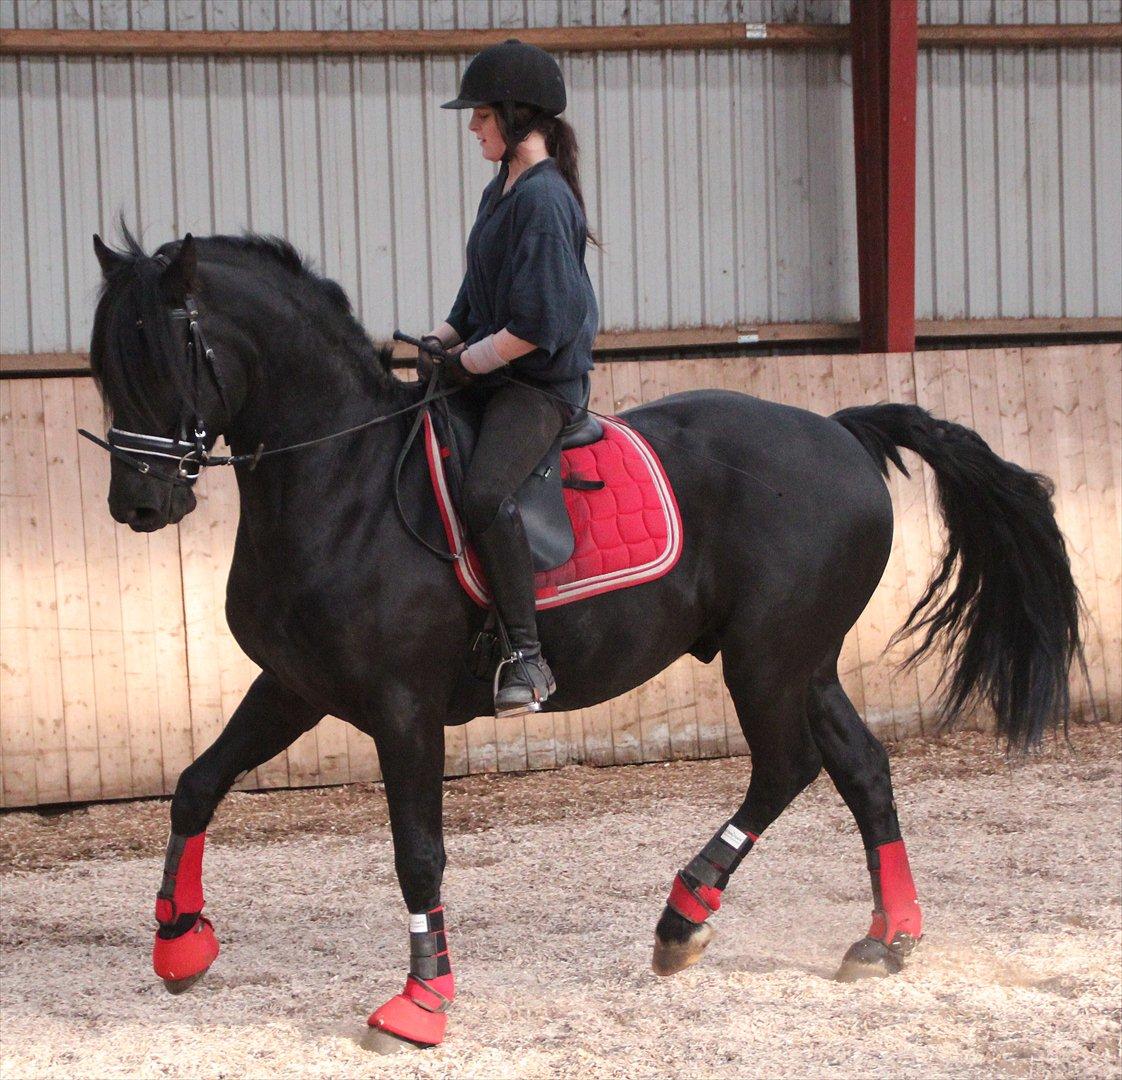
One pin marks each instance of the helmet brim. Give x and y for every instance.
(463, 103)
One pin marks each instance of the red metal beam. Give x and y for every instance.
(884, 46)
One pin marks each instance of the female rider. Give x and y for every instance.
(523, 323)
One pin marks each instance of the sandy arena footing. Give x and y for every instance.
(554, 884)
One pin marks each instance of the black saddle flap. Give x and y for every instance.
(540, 499)
(541, 503)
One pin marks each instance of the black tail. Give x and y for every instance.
(1011, 620)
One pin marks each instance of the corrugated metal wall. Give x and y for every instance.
(721, 182)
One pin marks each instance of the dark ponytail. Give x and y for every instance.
(518, 121)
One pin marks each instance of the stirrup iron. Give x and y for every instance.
(534, 705)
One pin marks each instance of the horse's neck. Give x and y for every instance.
(307, 401)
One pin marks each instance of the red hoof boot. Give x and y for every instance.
(183, 960)
(401, 1020)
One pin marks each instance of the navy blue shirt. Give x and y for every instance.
(526, 274)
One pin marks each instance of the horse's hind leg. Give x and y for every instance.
(268, 720)
(858, 766)
(785, 759)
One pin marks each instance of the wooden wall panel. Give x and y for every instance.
(118, 667)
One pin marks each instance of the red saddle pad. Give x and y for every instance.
(627, 533)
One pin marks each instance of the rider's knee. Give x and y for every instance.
(483, 503)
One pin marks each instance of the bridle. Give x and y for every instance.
(189, 450)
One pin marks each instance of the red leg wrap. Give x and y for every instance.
(182, 894)
(184, 879)
(420, 1012)
(693, 904)
(894, 894)
(186, 955)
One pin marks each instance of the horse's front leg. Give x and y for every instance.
(269, 719)
(412, 760)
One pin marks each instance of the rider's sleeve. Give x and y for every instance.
(547, 299)
(459, 318)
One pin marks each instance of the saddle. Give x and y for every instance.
(541, 498)
(598, 509)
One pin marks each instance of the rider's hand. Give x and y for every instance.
(455, 374)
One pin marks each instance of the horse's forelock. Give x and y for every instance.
(133, 348)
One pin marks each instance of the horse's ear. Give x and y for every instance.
(178, 279)
(108, 258)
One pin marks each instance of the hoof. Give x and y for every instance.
(378, 1041)
(181, 962)
(873, 959)
(181, 986)
(674, 956)
(404, 1022)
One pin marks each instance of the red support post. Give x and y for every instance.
(884, 37)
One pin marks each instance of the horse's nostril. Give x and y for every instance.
(143, 519)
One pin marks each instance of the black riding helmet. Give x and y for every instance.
(512, 72)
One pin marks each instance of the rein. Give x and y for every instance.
(131, 447)
(191, 455)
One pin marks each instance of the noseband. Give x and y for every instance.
(189, 450)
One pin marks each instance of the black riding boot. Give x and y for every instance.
(523, 681)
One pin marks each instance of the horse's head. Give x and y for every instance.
(161, 383)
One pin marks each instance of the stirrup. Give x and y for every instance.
(534, 705)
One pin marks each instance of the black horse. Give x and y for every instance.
(346, 614)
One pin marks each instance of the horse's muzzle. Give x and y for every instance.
(146, 505)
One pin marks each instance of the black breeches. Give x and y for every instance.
(519, 426)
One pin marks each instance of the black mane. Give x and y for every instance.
(134, 350)
(285, 255)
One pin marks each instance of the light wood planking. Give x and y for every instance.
(123, 692)
(1045, 457)
(201, 621)
(40, 616)
(103, 582)
(1071, 479)
(79, 700)
(17, 729)
(1104, 507)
